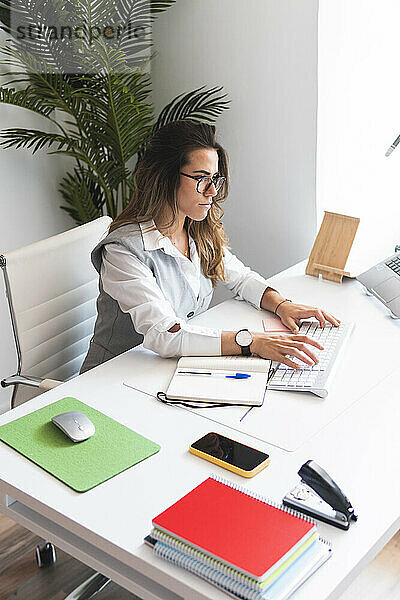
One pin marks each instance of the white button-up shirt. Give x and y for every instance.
(132, 284)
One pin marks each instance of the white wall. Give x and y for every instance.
(358, 119)
(29, 211)
(264, 53)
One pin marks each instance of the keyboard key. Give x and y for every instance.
(314, 377)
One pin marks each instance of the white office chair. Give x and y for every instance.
(51, 287)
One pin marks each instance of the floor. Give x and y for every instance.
(20, 578)
(381, 579)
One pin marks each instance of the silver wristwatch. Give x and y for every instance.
(244, 339)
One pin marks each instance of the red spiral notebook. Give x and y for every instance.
(233, 526)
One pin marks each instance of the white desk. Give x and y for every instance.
(105, 527)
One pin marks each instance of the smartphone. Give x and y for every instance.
(229, 454)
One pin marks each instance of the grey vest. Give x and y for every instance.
(114, 332)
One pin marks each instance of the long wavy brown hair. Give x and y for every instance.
(156, 184)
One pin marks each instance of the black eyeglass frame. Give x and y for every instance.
(213, 181)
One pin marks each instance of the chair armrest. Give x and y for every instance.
(49, 384)
(38, 382)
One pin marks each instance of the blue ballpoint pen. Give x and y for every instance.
(238, 376)
(235, 376)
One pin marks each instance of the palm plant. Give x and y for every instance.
(93, 91)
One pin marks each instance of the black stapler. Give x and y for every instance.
(318, 496)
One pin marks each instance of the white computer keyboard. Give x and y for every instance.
(316, 378)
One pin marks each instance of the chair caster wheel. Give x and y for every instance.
(46, 555)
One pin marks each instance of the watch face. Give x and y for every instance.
(244, 338)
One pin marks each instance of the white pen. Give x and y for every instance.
(393, 146)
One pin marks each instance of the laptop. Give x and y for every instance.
(383, 281)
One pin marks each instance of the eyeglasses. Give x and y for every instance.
(204, 182)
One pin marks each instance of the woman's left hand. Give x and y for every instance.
(291, 313)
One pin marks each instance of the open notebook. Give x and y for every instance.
(220, 379)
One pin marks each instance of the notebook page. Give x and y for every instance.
(218, 388)
(251, 364)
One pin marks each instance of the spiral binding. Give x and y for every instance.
(261, 498)
(208, 573)
(220, 580)
(203, 558)
(204, 564)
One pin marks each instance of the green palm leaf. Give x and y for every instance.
(136, 19)
(5, 19)
(199, 105)
(35, 18)
(93, 91)
(118, 116)
(49, 88)
(83, 197)
(63, 29)
(24, 99)
(34, 139)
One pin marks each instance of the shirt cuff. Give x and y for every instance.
(200, 341)
(254, 289)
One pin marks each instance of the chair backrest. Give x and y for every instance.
(54, 287)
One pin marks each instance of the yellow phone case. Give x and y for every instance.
(225, 465)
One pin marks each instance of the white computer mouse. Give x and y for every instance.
(77, 426)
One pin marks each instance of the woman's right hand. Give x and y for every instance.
(282, 347)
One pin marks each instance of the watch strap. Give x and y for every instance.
(246, 350)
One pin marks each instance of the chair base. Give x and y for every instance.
(89, 588)
(46, 555)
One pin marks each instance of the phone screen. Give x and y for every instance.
(229, 451)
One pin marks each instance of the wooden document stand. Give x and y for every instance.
(332, 246)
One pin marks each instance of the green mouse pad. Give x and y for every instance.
(81, 465)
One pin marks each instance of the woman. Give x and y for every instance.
(166, 252)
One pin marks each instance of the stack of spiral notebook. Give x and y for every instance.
(242, 543)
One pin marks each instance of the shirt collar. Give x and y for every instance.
(152, 238)
(155, 240)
